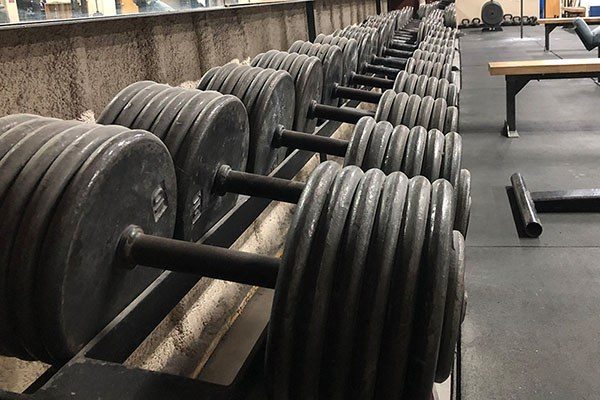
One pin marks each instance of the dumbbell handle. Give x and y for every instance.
(230, 181)
(366, 96)
(391, 62)
(396, 45)
(397, 53)
(306, 141)
(341, 114)
(138, 248)
(372, 81)
(380, 70)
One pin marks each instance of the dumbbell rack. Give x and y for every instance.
(97, 371)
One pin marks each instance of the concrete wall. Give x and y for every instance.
(64, 70)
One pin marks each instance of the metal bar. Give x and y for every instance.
(310, 21)
(396, 45)
(397, 53)
(137, 248)
(341, 114)
(578, 200)
(229, 181)
(368, 80)
(514, 84)
(398, 63)
(356, 94)
(521, 19)
(380, 70)
(378, 7)
(306, 141)
(531, 223)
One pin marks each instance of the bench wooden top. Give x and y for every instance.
(560, 21)
(531, 67)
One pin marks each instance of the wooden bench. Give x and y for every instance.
(519, 73)
(551, 23)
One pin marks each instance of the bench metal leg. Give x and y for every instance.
(514, 84)
(547, 30)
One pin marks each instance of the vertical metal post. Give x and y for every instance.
(521, 19)
(546, 37)
(378, 6)
(310, 21)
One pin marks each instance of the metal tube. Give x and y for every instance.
(393, 62)
(577, 200)
(307, 141)
(397, 53)
(380, 70)
(137, 248)
(356, 94)
(397, 45)
(341, 114)
(229, 181)
(526, 206)
(373, 81)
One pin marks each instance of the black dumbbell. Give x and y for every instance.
(116, 211)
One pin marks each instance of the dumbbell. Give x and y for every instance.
(373, 145)
(506, 19)
(516, 20)
(475, 22)
(464, 23)
(103, 232)
(405, 111)
(333, 63)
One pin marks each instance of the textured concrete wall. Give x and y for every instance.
(64, 70)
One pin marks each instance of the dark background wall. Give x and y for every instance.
(65, 69)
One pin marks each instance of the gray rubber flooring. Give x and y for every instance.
(532, 329)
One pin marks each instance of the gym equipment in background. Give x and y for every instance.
(492, 16)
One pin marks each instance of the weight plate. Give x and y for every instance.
(453, 308)
(233, 78)
(350, 52)
(443, 86)
(265, 60)
(438, 115)
(396, 340)
(332, 74)
(394, 154)
(346, 296)
(305, 48)
(323, 260)
(287, 61)
(385, 105)
(425, 109)
(274, 107)
(80, 287)
(400, 81)
(11, 210)
(309, 87)
(411, 83)
(10, 121)
(244, 83)
(452, 158)
(206, 78)
(398, 108)
(135, 105)
(295, 46)
(427, 68)
(419, 67)
(153, 108)
(412, 111)
(417, 54)
(253, 91)
(421, 85)
(295, 266)
(319, 38)
(113, 109)
(162, 123)
(256, 59)
(431, 294)
(222, 74)
(451, 123)
(452, 96)
(446, 69)
(35, 216)
(432, 165)
(17, 132)
(218, 136)
(415, 151)
(359, 141)
(437, 69)
(294, 69)
(184, 120)
(314, 50)
(376, 284)
(410, 65)
(277, 59)
(377, 145)
(432, 84)
(463, 202)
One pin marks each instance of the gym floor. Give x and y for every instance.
(532, 329)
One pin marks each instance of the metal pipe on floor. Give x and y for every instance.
(531, 222)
